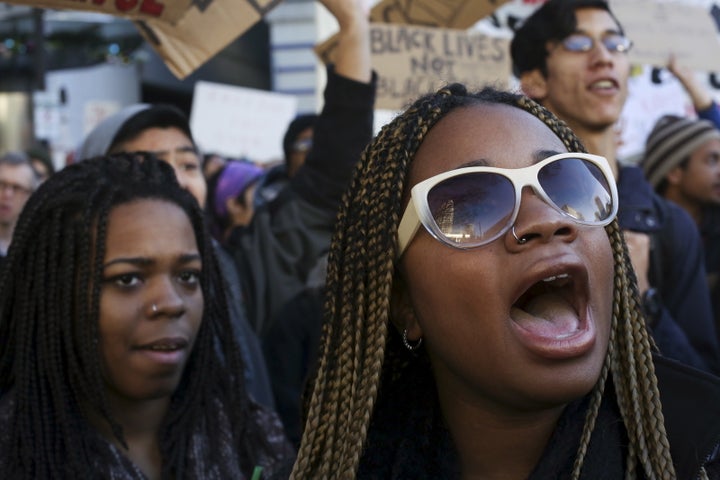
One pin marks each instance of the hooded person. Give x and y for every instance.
(165, 131)
(230, 197)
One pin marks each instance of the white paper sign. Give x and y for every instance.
(241, 122)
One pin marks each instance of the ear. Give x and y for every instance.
(534, 84)
(675, 176)
(402, 313)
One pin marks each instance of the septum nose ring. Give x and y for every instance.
(154, 307)
(520, 241)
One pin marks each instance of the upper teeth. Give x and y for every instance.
(555, 277)
(603, 84)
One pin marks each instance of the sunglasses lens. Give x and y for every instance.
(579, 188)
(472, 209)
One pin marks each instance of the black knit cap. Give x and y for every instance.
(671, 141)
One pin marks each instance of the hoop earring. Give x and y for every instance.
(407, 343)
(522, 240)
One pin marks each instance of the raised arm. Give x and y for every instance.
(352, 55)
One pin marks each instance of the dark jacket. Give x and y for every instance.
(685, 329)
(288, 235)
(710, 233)
(409, 441)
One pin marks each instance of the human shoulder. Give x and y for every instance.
(691, 407)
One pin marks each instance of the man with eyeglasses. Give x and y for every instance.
(18, 180)
(571, 56)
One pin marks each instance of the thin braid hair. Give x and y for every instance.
(357, 348)
(49, 357)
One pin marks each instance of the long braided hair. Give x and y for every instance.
(362, 360)
(49, 309)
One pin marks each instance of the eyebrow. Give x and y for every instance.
(537, 156)
(144, 261)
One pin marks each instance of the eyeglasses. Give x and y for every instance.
(472, 206)
(613, 42)
(14, 188)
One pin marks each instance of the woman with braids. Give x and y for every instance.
(482, 318)
(114, 361)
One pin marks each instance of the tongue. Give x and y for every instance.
(549, 315)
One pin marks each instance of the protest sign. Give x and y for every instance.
(455, 14)
(658, 29)
(200, 34)
(459, 14)
(240, 122)
(185, 33)
(165, 10)
(413, 60)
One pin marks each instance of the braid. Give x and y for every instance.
(49, 310)
(360, 357)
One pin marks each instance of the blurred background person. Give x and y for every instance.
(682, 163)
(18, 180)
(231, 192)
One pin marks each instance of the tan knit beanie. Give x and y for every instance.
(672, 140)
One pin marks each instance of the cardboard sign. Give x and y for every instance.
(185, 33)
(165, 10)
(240, 122)
(459, 14)
(199, 35)
(412, 60)
(658, 29)
(456, 14)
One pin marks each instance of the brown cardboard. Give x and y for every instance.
(457, 14)
(434, 13)
(411, 60)
(187, 33)
(198, 36)
(164, 10)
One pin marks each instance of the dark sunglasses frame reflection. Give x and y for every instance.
(471, 206)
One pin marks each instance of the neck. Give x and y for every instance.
(496, 444)
(6, 234)
(600, 142)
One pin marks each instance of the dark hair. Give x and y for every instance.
(300, 123)
(156, 116)
(363, 368)
(49, 309)
(552, 21)
(41, 153)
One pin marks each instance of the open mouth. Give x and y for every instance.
(552, 287)
(552, 308)
(604, 85)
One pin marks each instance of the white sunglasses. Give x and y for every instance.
(472, 206)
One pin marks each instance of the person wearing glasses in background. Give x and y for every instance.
(18, 180)
(571, 57)
(483, 320)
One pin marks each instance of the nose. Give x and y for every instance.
(165, 299)
(538, 222)
(600, 55)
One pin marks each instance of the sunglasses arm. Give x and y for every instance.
(408, 227)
